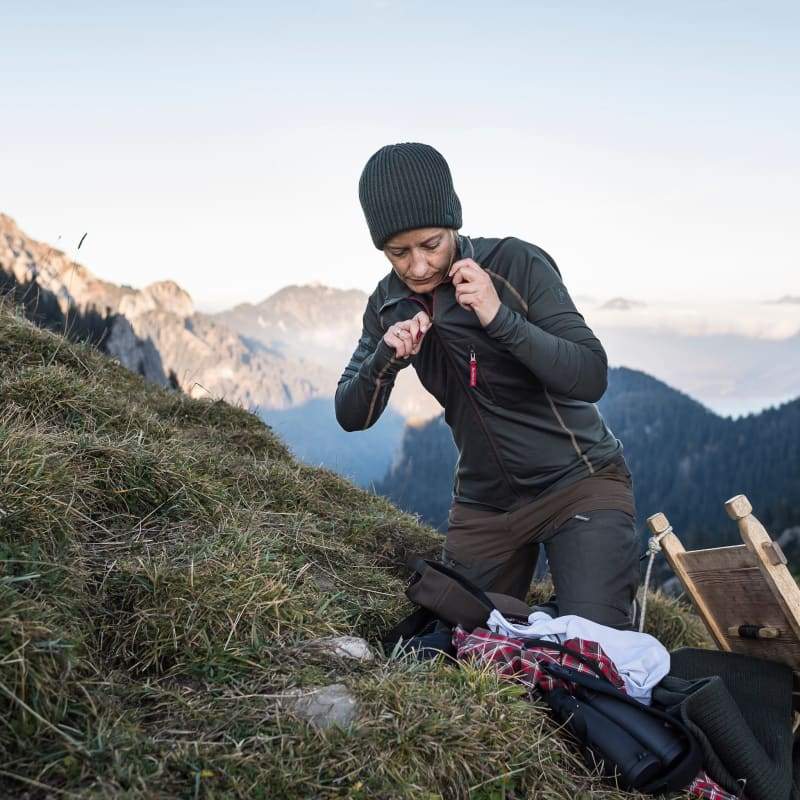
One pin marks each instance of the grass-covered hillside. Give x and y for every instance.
(166, 569)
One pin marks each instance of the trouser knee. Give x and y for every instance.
(594, 561)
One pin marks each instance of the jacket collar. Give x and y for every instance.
(465, 247)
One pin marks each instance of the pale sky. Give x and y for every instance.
(652, 149)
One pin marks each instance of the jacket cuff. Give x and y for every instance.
(384, 360)
(502, 326)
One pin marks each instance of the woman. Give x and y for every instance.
(493, 334)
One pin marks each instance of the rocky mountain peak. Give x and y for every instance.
(29, 261)
(160, 296)
(312, 306)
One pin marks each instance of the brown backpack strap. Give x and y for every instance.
(441, 593)
(448, 594)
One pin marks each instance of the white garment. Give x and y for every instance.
(641, 660)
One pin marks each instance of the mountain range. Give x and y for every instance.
(735, 358)
(154, 331)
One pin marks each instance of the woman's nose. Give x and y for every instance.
(419, 267)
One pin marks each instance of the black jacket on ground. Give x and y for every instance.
(530, 424)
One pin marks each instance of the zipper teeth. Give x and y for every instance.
(418, 301)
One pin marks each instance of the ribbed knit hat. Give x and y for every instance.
(406, 186)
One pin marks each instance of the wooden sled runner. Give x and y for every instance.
(744, 594)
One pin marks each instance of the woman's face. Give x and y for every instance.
(422, 257)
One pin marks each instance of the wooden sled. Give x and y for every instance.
(744, 594)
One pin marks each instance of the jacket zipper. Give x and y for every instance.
(474, 375)
(473, 368)
(432, 313)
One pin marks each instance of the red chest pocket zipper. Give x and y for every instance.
(473, 368)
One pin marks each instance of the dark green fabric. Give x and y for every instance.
(530, 424)
(405, 186)
(740, 709)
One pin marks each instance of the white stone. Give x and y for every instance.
(326, 706)
(346, 647)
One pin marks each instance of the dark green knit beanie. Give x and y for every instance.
(406, 186)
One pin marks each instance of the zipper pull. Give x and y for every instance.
(473, 368)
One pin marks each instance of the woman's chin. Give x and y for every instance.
(427, 286)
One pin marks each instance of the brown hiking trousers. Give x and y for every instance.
(589, 534)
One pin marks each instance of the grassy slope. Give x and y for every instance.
(163, 564)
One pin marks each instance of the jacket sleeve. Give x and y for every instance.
(552, 338)
(366, 383)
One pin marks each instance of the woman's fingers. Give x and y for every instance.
(467, 296)
(394, 339)
(424, 321)
(406, 336)
(411, 333)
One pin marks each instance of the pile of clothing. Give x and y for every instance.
(736, 712)
(640, 659)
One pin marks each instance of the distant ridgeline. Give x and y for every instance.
(685, 460)
(43, 309)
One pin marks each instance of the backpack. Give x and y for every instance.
(445, 596)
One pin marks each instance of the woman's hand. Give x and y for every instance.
(406, 336)
(475, 290)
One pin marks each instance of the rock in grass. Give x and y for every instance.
(345, 647)
(327, 706)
